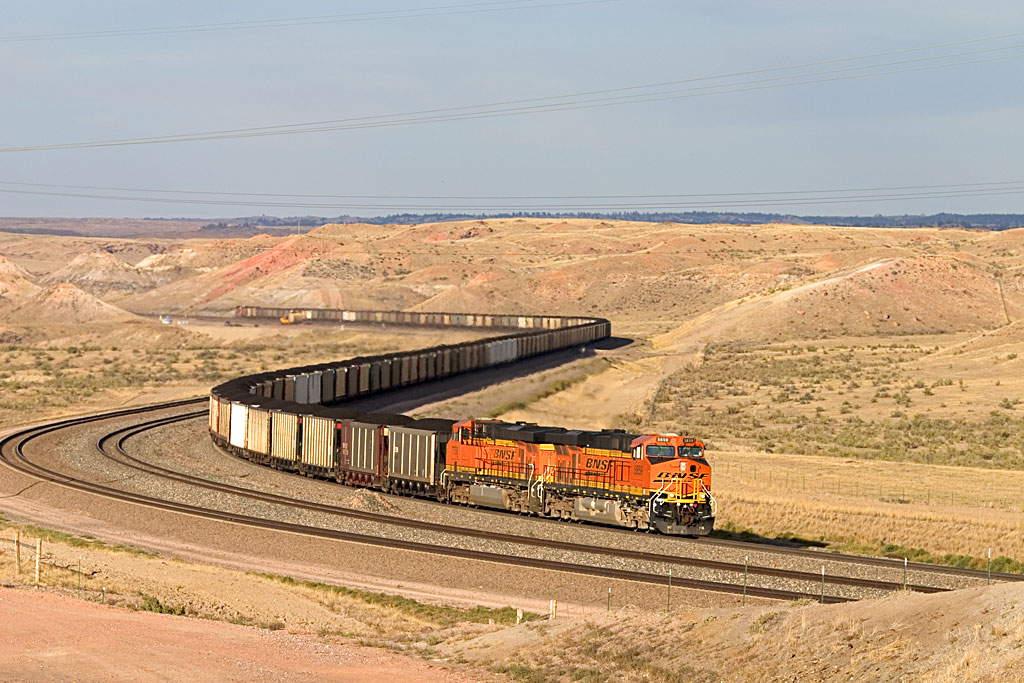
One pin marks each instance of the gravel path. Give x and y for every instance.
(46, 637)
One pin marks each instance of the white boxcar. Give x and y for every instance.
(214, 413)
(238, 416)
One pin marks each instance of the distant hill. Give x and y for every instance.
(981, 221)
(65, 303)
(249, 226)
(986, 221)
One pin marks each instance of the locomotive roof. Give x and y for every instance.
(610, 439)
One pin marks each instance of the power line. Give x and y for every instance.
(559, 103)
(1000, 184)
(678, 206)
(439, 10)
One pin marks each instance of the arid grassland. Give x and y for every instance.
(895, 400)
(73, 370)
(902, 636)
(858, 388)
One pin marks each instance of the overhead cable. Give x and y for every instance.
(562, 102)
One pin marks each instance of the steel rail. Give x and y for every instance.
(21, 463)
(123, 434)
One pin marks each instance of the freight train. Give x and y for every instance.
(298, 420)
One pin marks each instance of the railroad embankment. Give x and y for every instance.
(259, 623)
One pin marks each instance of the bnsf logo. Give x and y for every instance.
(503, 454)
(598, 463)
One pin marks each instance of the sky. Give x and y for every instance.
(847, 142)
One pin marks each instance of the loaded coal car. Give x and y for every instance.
(297, 419)
(416, 457)
(363, 460)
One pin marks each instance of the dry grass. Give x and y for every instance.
(873, 506)
(141, 581)
(902, 637)
(100, 366)
(909, 399)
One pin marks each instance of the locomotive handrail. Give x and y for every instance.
(541, 481)
(654, 497)
(711, 498)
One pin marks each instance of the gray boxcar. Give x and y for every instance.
(417, 454)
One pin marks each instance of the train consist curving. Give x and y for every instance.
(298, 419)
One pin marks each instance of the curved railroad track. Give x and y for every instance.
(13, 454)
(112, 445)
(120, 436)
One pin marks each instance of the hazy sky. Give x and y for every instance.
(936, 126)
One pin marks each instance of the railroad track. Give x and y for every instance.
(120, 436)
(12, 453)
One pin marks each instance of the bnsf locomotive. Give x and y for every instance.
(659, 482)
(646, 482)
(298, 420)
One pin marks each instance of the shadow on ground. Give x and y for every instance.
(410, 398)
(787, 541)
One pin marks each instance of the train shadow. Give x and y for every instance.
(410, 398)
(787, 541)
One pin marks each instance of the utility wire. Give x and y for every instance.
(694, 205)
(547, 104)
(994, 185)
(439, 10)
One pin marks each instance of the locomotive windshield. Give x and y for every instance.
(691, 452)
(661, 451)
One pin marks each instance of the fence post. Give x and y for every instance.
(823, 584)
(39, 553)
(552, 609)
(609, 598)
(519, 616)
(17, 552)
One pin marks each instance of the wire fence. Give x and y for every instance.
(32, 563)
(958, 491)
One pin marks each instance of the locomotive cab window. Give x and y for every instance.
(661, 451)
(690, 452)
